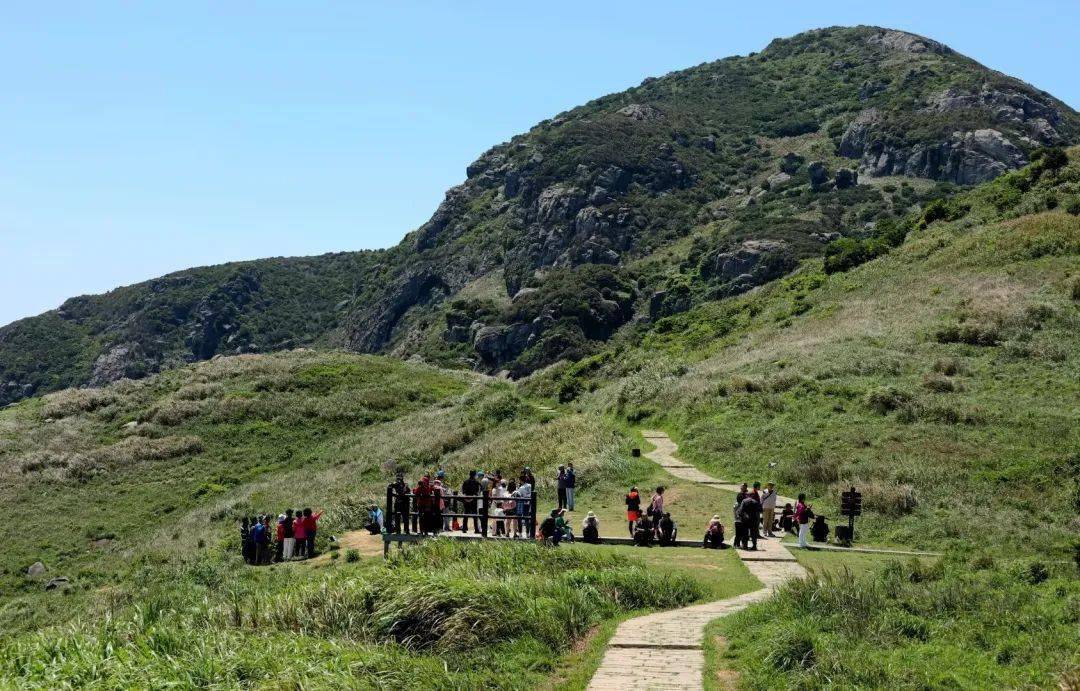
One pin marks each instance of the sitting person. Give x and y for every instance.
(820, 530)
(375, 520)
(562, 527)
(668, 531)
(643, 532)
(549, 531)
(787, 522)
(590, 529)
(714, 535)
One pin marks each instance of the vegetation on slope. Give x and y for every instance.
(665, 183)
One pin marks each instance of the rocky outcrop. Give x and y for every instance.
(903, 42)
(641, 112)
(1037, 117)
(372, 328)
(123, 360)
(963, 157)
(750, 264)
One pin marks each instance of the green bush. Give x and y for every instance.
(352, 555)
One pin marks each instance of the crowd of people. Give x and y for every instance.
(292, 536)
(433, 506)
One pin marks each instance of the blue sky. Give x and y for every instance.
(142, 138)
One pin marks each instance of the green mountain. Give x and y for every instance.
(686, 189)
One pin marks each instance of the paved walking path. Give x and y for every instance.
(664, 650)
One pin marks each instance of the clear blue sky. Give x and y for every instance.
(142, 138)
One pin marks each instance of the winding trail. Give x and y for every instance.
(664, 650)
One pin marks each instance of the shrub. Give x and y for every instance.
(950, 367)
(1073, 206)
(352, 555)
(74, 401)
(939, 383)
(971, 333)
(883, 400)
(809, 467)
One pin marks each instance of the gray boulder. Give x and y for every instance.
(36, 569)
(641, 112)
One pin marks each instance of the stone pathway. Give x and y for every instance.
(664, 650)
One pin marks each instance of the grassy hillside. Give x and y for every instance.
(940, 377)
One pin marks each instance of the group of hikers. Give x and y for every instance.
(502, 507)
(433, 506)
(754, 515)
(291, 536)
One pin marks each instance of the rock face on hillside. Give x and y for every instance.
(690, 186)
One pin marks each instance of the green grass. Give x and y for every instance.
(456, 614)
(912, 625)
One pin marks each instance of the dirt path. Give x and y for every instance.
(665, 650)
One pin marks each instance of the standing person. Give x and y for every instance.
(469, 490)
(311, 527)
(400, 518)
(440, 487)
(500, 496)
(755, 527)
(560, 483)
(300, 551)
(279, 536)
(485, 481)
(768, 509)
(802, 516)
(524, 508)
(740, 528)
(570, 482)
(424, 499)
(656, 508)
(290, 536)
(245, 539)
(261, 533)
(590, 529)
(527, 476)
(749, 513)
(633, 508)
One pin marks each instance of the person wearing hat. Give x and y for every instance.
(714, 534)
(527, 476)
(768, 509)
(590, 529)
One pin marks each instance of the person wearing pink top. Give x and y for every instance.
(803, 514)
(300, 534)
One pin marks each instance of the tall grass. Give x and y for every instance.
(441, 615)
(915, 626)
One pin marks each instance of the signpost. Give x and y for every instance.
(850, 506)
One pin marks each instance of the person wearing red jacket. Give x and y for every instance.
(311, 524)
(300, 534)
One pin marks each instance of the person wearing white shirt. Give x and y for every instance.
(768, 508)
